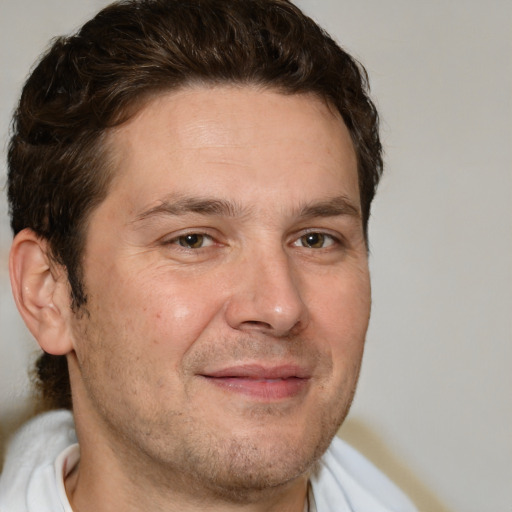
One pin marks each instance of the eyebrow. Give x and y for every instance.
(333, 207)
(182, 205)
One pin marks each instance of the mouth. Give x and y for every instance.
(261, 383)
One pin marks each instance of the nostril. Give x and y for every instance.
(258, 324)
(275, 309)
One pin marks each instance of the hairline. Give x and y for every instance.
(107, 161)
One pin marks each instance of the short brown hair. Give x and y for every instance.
(97, 78)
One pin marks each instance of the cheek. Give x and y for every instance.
(340, 317)
(162, 310)
(343, 304)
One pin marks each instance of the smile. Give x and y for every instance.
(260, 383)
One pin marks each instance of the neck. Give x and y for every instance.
(99, 490)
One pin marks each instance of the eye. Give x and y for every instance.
(315, 240)
(194, 241)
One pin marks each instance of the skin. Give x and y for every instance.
(228, 302)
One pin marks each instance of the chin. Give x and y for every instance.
(251, 471)
(243, 468)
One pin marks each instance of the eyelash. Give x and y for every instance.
(319, 234)
(298, 242)
(177, 240)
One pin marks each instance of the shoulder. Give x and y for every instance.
(345, 481)
(29, 470)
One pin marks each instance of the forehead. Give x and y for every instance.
(224, 139)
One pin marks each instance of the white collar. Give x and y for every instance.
(64, 464)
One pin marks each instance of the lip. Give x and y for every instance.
(256, 371)
(259, 382)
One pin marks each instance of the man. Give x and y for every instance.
(190, 184)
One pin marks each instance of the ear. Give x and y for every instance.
(41, 292)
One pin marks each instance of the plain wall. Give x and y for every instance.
(434, 405)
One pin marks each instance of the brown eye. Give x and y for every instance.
(315, 240)
(193, 241)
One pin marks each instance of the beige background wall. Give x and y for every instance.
(434, 406)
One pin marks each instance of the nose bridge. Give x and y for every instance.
(268, 293)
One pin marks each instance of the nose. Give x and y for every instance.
(266, 297)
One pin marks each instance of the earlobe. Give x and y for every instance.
(41, 292)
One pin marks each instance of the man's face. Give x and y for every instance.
(228, 289)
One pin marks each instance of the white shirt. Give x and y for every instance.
(45, 451)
